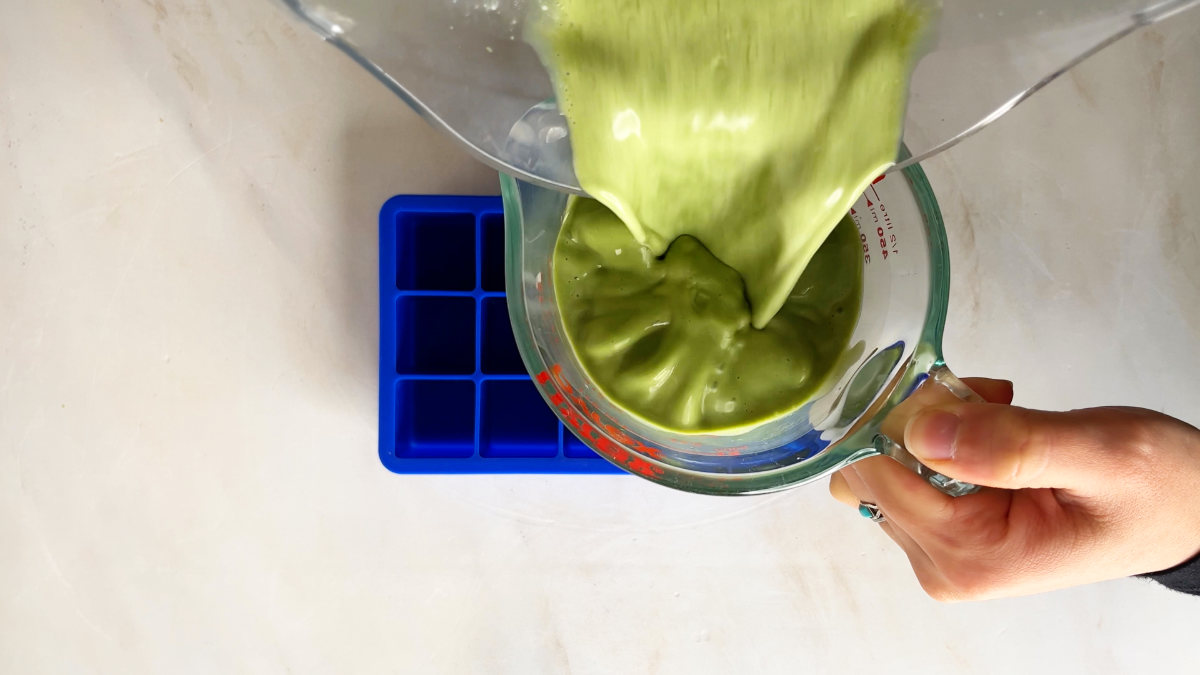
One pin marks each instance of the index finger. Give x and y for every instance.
(903, 496)
(935, 520)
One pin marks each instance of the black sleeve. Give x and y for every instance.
(1184, 577)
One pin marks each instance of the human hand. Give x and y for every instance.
(1072, 498)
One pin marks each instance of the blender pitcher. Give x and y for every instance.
(891, 366)
(465, 67)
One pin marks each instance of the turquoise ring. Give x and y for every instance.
(871, 512)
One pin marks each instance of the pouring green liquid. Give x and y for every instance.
(729, 138)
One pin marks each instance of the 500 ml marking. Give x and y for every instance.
(884, 233)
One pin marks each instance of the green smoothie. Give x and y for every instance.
(750, 126)
(670, 339)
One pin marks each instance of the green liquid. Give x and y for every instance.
(670, 339)
(730, 137)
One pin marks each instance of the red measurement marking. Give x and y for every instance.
(884, 230)
(556, 373)
(561, 392)
(872, 186)
(644, 468)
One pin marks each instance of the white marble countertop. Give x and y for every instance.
(188, 319)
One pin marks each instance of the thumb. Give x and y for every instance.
(1008, 447)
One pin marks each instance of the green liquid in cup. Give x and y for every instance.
(670, 339)
(729, 138)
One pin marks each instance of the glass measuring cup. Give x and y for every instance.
(465, 67)
(892, 366)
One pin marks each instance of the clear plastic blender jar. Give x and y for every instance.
(465, 67)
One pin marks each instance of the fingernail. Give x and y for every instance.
(935, 435)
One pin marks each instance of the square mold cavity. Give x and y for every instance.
(515, 421)
(492, 263)
(435, 252)
(499, 355)
(435, 418)
(435, 335)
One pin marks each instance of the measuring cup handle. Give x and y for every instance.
(939, 387)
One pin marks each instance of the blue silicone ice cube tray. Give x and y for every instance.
(454, 396)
